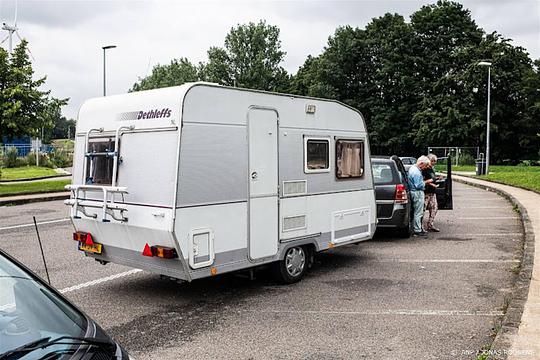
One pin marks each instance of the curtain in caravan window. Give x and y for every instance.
(349, 158)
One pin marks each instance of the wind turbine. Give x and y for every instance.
(11, 29)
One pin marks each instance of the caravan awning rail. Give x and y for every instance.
(107, 205)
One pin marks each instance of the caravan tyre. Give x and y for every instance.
(293, 266)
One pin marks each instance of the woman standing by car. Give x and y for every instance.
(430, 198)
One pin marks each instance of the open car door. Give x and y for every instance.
(444, 189)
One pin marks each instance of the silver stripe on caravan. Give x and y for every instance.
(213, 165)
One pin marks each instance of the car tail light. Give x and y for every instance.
(401, 194)
(83, 237)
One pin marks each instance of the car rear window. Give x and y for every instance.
(382, 174)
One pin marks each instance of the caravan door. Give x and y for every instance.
(263, 182)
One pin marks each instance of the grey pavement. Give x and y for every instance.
(437, 298)
(525, 341)
(29, 198)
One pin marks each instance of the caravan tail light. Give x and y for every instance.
(146, 251)
(401, 194)
(83, 237)
(164, 252)
(159, 251)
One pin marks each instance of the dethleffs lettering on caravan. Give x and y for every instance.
(153, 114)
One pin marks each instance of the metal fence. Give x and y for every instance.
(461, 155)
(25, 149)
(50, 155)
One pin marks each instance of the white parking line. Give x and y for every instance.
(481, 207)
(486, 234)
(489, 218)
(449, 260)
(99, 281)
(84, 285)
(384, 312)
(32, 224)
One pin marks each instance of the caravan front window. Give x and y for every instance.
(349, 159)
(99, 161)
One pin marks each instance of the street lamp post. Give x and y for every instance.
(488, 64)
(104, 79)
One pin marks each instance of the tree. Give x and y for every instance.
(415, 83)
(178, 72)
(63, 128)
(25, 109)
(251, 58)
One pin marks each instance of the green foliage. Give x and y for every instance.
(415, 83)
(27, 172)
(466, 159)
(10, 157)
(62, 129)
(24, 107)
(61, 157)
(178, 72)
(251, 58)
(33, 187)
(44, 160)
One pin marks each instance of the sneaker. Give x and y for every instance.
(422, 233)
(434, 229)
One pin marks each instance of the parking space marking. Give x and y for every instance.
(481, 207)
(407, 312)
(449, 260)
(32, 224)
(487, 234)
(99, 281)
(489, 218)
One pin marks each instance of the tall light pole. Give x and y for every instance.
(104, 79)
(488, 64)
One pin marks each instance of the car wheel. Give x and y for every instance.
(404, 232)
(293, 266)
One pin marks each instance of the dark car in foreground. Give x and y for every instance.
(391, 193)
(37, 322)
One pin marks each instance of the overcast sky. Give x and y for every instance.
(65, 37)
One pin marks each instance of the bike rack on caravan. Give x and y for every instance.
(109, 206)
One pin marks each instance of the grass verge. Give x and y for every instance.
(527, 177)
(34, 187)
(26, 172)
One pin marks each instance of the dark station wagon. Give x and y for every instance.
(392, 193)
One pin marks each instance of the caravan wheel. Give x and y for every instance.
(293, 266)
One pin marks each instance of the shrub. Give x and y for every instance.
(529, 163)
(43, 160)
(466, 159)
(10, 157)
(60, 157)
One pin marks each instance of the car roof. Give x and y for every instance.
(381, 160)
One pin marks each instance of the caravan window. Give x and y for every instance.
(99, 162)
(316, 155)
(349, 159)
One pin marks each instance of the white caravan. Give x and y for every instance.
(201, 179)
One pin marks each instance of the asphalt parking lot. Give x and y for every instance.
(390, 298)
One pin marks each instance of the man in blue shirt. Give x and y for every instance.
(417, 186)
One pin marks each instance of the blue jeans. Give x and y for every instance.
(417, 202)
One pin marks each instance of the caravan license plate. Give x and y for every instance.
(96, 248)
